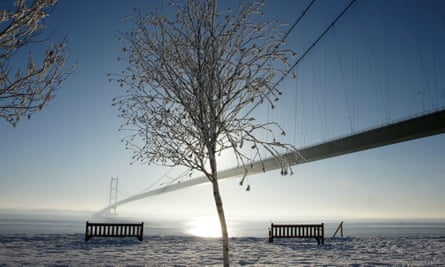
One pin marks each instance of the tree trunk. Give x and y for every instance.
(222, 221)
(220, 209)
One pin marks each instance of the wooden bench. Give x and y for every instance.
(297, 230)
(114, 230)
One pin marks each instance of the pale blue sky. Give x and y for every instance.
(64, 157)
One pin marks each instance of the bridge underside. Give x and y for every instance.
(404, 130)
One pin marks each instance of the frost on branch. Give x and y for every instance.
(190, 79)
(28, 89)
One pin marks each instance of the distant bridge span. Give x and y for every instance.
(403, 130)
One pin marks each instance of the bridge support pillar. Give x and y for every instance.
(113, 195)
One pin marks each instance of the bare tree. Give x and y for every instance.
(191, 81)
(28, 89)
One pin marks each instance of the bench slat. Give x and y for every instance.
(114, 230)
(298, 231)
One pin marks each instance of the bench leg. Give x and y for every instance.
(87, 234)
(320, 240)
(270, 236)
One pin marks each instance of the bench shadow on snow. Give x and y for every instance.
(103, 242)
(300, 244)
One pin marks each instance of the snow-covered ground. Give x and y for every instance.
(71, 249)
(58, 240)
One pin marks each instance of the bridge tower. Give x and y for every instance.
(114, 183)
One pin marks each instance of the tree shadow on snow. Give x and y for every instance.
(304, 244)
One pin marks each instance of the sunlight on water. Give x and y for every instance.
(204, 227)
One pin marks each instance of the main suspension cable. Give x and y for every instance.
(307, 51)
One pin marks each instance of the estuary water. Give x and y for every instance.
(60, 223)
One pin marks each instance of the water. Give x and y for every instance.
(394, 228)
(57, 223)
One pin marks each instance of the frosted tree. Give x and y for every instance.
(27, 89)
(191, 79)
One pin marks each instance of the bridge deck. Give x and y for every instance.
(404, 130)
(400, 131)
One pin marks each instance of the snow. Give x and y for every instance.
(71, 249)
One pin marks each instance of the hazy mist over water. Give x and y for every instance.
(51, 222)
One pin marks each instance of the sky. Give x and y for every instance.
(380, 63)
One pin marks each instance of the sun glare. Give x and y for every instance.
(204, 227)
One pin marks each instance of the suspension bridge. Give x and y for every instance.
(423, 123)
